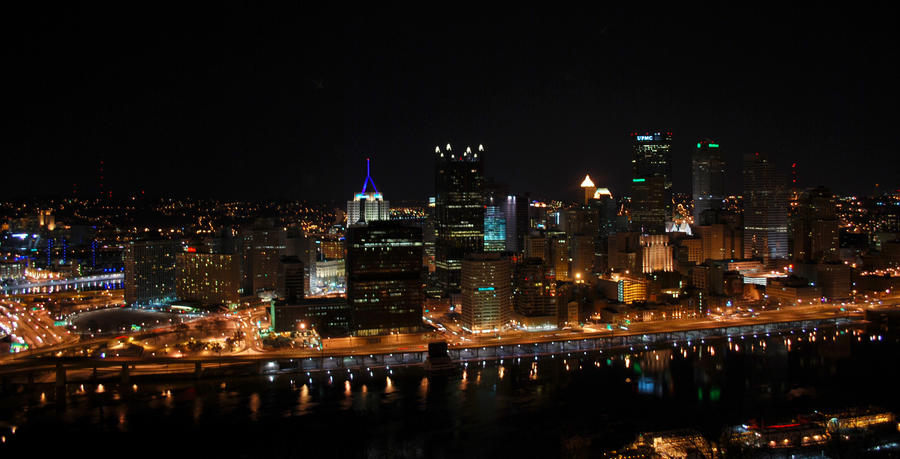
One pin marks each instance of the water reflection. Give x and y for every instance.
(710, 382)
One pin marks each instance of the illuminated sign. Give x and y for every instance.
(641, 138)
(485, 289)
(713, 145)
(639, 180)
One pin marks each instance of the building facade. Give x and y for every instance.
(385, 288)
(765, 210)
(209, 279)
(459, 211)
(150, 271)
(651, 183)
(708, 177)
(486, 292)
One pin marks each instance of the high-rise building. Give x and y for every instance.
(385, 287)
(150, 271)
(368, 205)
(765, 210)
(656, 253)
(495, 217)
(708, 177)
(815, 226)
(651, 182)
(486, 292)
(292, 279)
(208, 279)
(559, 256)
(459, 208)
(589, 189)
(535, 294)
(510, 212)
(263, 245)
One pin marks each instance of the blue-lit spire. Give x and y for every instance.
(368, 179)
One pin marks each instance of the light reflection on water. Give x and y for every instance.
(724, 381)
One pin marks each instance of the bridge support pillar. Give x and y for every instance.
(60, 375)
(126, 376)
(198, 370)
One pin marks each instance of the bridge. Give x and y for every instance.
(318, 361)
(97, 281)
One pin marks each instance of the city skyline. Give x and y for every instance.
(290, 110)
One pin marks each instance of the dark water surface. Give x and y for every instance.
(549, 407)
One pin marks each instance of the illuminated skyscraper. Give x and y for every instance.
(495, 218)
(210, 279)
(367, 205)
(459, 211)
(651, 182)
(708, 176)
(150, 271)
(385, 287)
(486, 292)
(765, 210)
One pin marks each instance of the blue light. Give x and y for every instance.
(485, 289)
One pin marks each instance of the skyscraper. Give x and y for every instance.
(150, 271)
(535, 294)
(459, 208)
(708, 177)
(209, 279)
(815, 225)
(486, 292)
(651, 182)
(368, 204)
(385, 287)
(495, 220)
(765, 210)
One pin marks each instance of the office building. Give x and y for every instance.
(495, 215)
(329, 317)
(656, 253)
(367, 205)
(651, 182)
(815, 226)
(535, 300)
(587, 185)
(263, 245)
(708, 178)
(150, 272)
(385, 278)
(486, 287)
(209, 279)
(765, 210)
(459, 208)
(292, 279)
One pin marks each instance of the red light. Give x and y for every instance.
(191, 249)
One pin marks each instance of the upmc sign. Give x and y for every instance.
(642, 138)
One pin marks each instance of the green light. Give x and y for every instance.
(638, 180)
(713, 145)
(698, 144)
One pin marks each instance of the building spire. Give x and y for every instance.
(368, 179)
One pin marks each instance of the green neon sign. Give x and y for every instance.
(714, 145)
(639, 180)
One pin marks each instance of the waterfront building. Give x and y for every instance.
(486, 292)
(385, 277)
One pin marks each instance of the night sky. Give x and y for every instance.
(288, 103)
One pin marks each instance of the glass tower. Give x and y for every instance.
(765, 210)
(708, 177)
(651, 183)
(459, 211)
